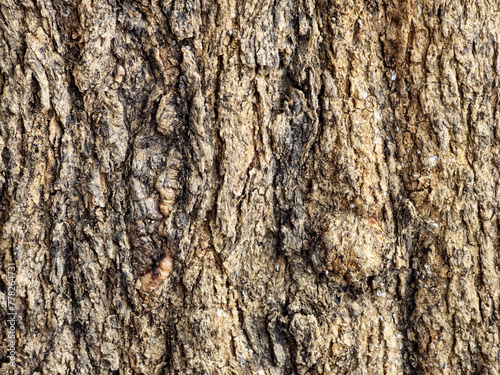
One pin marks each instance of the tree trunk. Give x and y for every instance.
(256, 187)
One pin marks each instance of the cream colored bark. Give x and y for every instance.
(251, 187)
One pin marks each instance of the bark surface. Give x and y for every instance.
(251, 187)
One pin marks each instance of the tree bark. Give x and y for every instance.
(256, 187)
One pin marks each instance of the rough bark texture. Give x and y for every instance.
(254, 187)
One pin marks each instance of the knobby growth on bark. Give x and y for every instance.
(250, 187)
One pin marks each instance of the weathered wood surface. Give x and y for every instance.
(254, 187)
